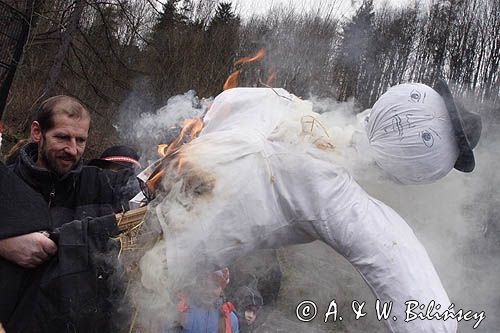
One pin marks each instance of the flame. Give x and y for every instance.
(196, 125)
(151, 183)
(162, 150)
(232, 80)
(258, 56)
(192, 127)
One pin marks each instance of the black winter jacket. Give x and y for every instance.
(76, 290)
(18, 203)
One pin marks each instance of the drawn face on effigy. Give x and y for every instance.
(411, 134)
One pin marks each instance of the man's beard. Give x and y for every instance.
(51, 165)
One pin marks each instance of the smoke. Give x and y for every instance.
(146, 128)
(456, 219)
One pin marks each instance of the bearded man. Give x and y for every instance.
(65, 284)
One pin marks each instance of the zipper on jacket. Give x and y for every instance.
(52, 194)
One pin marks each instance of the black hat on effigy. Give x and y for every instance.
(466, 124)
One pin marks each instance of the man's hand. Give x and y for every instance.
(28, 250)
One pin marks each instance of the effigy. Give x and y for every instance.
(263, 172)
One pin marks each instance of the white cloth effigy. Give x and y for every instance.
(270, 190)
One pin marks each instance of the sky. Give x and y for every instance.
(341, 7)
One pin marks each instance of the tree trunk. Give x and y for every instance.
(67, 36)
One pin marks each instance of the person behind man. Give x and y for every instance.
(121, 165)
(70, 287)
(117, 158)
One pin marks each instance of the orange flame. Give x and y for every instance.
(259, 55)
(191, 126)
(151, 183)
(232, 81)
(194, 125)
(162, 150)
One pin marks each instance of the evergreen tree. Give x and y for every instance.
(170, 17)
(223, 34)
(356, 43)
(224, 15)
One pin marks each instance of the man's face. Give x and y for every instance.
(62, 146)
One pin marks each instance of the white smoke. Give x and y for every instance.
(147, 129)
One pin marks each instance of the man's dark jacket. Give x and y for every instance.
(73, 291)
(18, 202)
